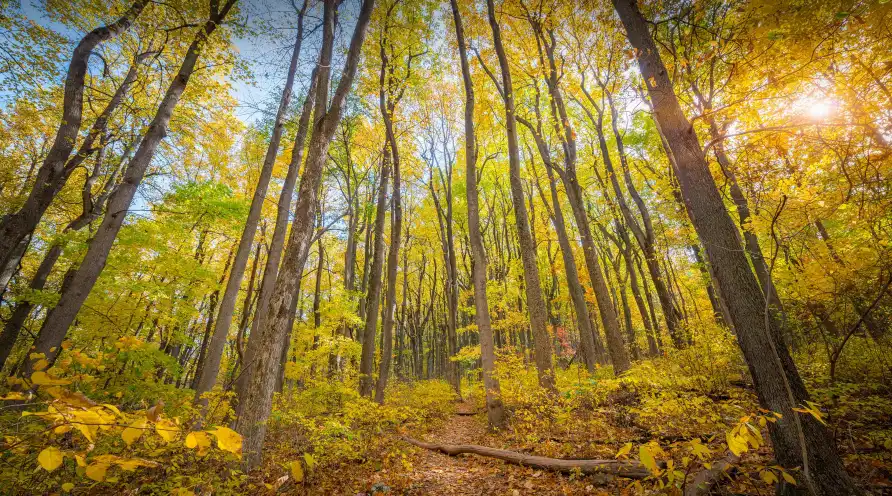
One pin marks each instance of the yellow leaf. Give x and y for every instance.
(50, 458)
(40, 364)
(87, 422)
(134, 432)
(71, 398)
(96, 471)
(132, 464)
(297, 471)
(647, 459)
(768, 476)
(228, 440)
(41, 378)
(112, 408)
(624, 450)
(62, 429)
(67, 487)
(167, 430)
(789, 478)
(80, 460)
(198, 440)
(14, 395)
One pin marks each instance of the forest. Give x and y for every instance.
(461, 247)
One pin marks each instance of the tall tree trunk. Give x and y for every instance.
(274, 257)
(574, 287)
(15, 228)
(55, 327)
(532, 285)
(257, 397)
(211, 368)
(387, 103)
(248, 304)
(798, 439)
(373, 298)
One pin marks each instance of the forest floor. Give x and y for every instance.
(425, 472)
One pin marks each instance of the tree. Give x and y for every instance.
(257, 398)
(56, 325)
(52, 175)
(798, 439)
(211, 369)
(532, 285)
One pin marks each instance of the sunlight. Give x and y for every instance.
(815, 108)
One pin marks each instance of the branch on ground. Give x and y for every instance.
(623, 468)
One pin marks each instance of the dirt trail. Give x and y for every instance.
(439, 474)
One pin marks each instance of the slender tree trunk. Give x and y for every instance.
(532, 285)
(387, 104)
(751, 241)
(274, 257)
(574, 287)
(798, 439)
(55, 327)
(257, 397)
(626, 251)
(212, 307)
(373, 298)
(211, 368)
(15, 228)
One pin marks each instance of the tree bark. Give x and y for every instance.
(629, 469)
(52, 175)
(257, 397)
(387, 103)
(532, 285)
(211, 368)
(274, 257)
(373, 298)
(798, 439)
(55, 327)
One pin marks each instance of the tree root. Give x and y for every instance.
(706, 480)
(622, 468)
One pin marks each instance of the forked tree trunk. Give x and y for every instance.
(55, 327)
(15, 228)
(532, 285)
(607, 310)
(798, 439)
(258, 394)
(373, 298)
(274, 257)
(387, 103)
(211, 368)
(577, 294)
(91, 209)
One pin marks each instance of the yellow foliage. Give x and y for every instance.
(167, 429)
(134, 431)
(50, 458)
(97, 470)
(228, 440)
(41, 378)
(297, 471)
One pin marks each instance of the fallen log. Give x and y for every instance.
(622, 468)
(706, 480)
